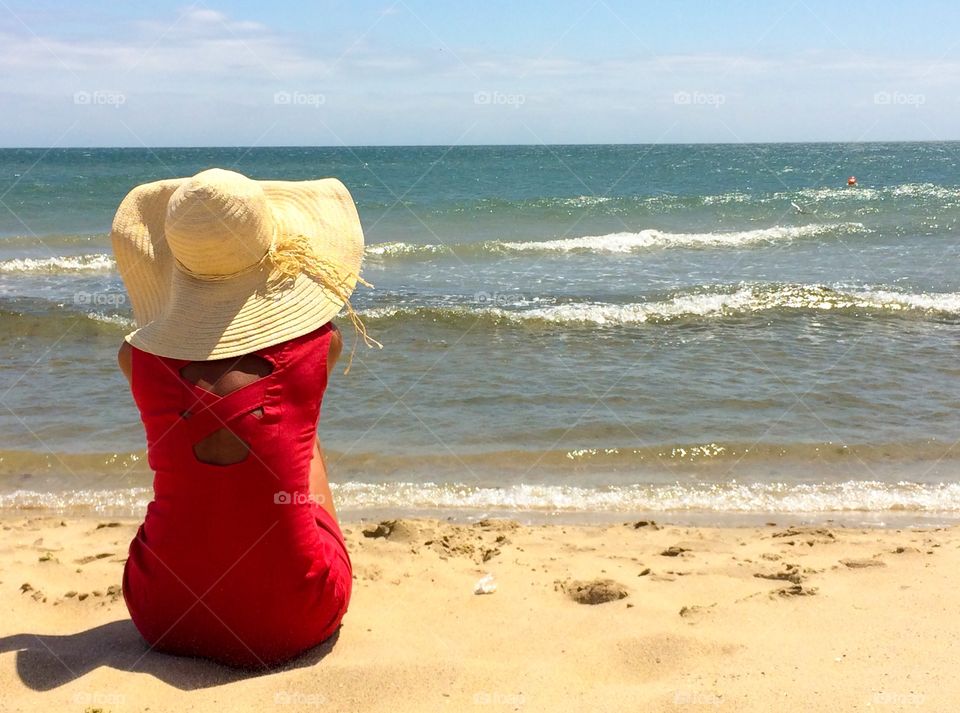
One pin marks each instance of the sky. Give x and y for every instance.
(401, 72)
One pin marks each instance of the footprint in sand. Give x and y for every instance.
(596, 591)
(497, 524)
(900, 550)
(36, 594)
(480, 542)
(790, 573)
(862, 563)
(795, 590)
(806, 535)
(643, 523)
(696, 610)
(393, 530)
(93, 558)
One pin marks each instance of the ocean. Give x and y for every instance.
(701, 332)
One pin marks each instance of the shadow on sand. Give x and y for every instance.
(46, 661)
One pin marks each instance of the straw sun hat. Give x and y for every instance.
(219, 265)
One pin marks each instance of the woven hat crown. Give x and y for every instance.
(218, 223)
(218, 265)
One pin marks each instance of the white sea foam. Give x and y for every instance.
(945, 302)
(125, 501)
(727, 497)
(723, 198)
(862, 193)
(926, 190)
(73, 263)
(624, 242)
(584, 201)
(746, 299)
(628, 242)
(119, 320)
(776, 497)
(401, 248)
(824, 194)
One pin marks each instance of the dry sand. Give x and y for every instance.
(673, 618)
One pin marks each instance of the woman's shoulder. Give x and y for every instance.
(326, 340)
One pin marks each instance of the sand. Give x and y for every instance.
(627, 617)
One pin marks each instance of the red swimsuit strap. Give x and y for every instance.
(214, 412)
(160, 389)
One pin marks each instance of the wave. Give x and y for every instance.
(628, 242)
(862, 193)
(652, 203)
(89, 241)
(730, 497)
(18, 462)
(624, 242)
(36, 317)
(578, 201)
(129, 502)
(702, 304)
(610, 243)
(15, 463)
(858, 194)
(400, 249)
(651, 478)
(97, 262)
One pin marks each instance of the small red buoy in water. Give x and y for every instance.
(852, 181)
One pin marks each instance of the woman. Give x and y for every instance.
(233, 284)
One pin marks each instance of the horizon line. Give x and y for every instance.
(491, 145)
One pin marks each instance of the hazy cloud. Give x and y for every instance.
(180, 76)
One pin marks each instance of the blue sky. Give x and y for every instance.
(418, 72)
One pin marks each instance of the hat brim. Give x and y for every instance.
(185, 317)
(207, 320)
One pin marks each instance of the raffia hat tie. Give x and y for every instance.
(219, 265)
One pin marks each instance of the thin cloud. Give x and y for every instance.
(184, 71)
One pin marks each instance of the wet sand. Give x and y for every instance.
(631, 616)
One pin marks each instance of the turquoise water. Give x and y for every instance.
(724, 329)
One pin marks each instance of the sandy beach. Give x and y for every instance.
(633, 616)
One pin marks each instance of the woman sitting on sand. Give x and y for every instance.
(233, 284)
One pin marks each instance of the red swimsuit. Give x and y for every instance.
(236, 562)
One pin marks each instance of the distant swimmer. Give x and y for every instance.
(798, 208)
(852, 181)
